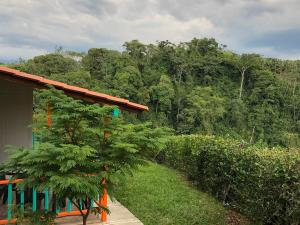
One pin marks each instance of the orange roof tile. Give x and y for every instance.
(81, 92)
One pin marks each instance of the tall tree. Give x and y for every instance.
(101, 62)
(244, 63)
(162, 95)
(46, 65)
(265, 102)
(128, 81)
(138, 52)
(204, 107)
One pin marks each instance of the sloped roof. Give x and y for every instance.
(77, 92)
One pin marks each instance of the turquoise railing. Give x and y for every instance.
(69, 206)
(11, 193)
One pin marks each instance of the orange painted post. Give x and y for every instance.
(103, 202)
(104, 196)
(49, 116)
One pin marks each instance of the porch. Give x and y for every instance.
(11, 199)
(119, 216)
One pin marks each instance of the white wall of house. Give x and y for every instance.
(16, 105)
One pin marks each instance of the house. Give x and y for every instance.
(16, 111)
(16, 104)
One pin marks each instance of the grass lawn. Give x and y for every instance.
(159, 196)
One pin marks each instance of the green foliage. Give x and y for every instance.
(266, 100)
(101, 63)
(72, 156)
(49, 64)
(28, 217)
(62, 168)
(128, 82)
(78, 78)
(236, 114)
(203, 108)
(159, 195)
(135, 49)
(192, 87)
(260, 182)
(256, 99)
(162, 95)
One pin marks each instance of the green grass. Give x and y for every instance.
(159, 196)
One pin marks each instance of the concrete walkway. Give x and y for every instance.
(119, 215)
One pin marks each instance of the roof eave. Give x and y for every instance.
(76, 92)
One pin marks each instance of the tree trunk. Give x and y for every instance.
(242, 82)
(225, 194)
(178, 111)
(294, 102)
(87, 205)
(180, 75)
(252, 135)
(84, 220)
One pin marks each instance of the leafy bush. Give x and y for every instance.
(259, 182)
(28, 217)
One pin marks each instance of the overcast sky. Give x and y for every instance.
(34, 27)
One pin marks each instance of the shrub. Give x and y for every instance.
(259, 182)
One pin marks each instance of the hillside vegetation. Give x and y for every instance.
(193, 87)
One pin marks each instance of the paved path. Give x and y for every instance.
(119, 215)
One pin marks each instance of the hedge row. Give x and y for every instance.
(263, 184)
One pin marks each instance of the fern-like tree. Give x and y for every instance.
(72, 156)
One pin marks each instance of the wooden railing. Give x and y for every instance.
(7, 191)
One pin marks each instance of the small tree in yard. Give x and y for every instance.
(73, 155)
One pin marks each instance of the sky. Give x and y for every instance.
(34, 27)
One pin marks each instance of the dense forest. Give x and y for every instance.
(194, 87)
